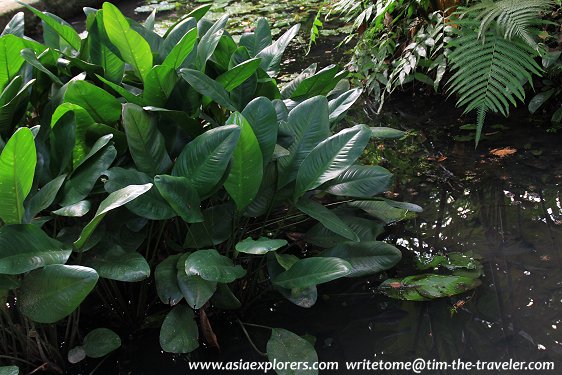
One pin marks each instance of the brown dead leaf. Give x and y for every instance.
(503, 152)
(207, 330)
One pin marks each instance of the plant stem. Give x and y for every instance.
(250, 339)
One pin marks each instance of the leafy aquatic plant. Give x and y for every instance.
(135, 160)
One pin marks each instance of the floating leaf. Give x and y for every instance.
(312, 271)
(427, 286)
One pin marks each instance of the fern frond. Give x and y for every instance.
(512, 18)
(489, 72)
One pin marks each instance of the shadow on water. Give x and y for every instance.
(501, 201)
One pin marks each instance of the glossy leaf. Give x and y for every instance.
(44, 197)
(181, 196)
(360, 181)
(101, 105)
(51, 293)
(179, 332)
(114, 263)
(195, 289)
(26, 247)
(66, 33)
(205, 159)
(308, 272)
(386, 133)
(339, 105)
(224, 299)
(258, 40)
(209, 42)
(308, 125)
(208, 87)
(262, 117)
(262, 245)
(146, 143)
(181, 50)
(286, 347)
(427, 286)
(151, 205)
(165, 277)
(158, 85)
(246, 170)
(327, 218)
(134, 49)
(100, 342)
(15, 26)
(331, 157)
(384, 211)
(366, 257)
(216, 228)
(272, 55)
(320, 83)
(87, 172)
(17, 168)
(234, 77)
(211, 266)
(114, 200)
(9, 370)
(77, 209)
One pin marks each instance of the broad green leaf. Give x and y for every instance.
(211, 266)
(146, 143)
(360, 181)
(366, 257)
(44, 197)
(166, 280)
(83, 122)
(308, 272)
(224, 299)
(195, 289)
(62, 139)
(15, 26)
(150, 205)
(114, 200)
(181, 50)
(77, 209)
(216, 228)
(13, 104)
(208, 87)
(181, 196)
(246, 170)
(199, 12)
(89, 170)
(271, 56)
(339, 105)
(205, 159)
(331, 157)
(17, 168)
(100, 342)
(29, 55)
(290, 87)
(65, 32)
(209, 42)
(320, 83)
(134, 49)
(308, 125)
(262, 117)
(53, 292)
(236, 76)
(129, 96)
(9, 370)
(539, 99)
(258, 40)
(100, 104)
(179, 332)
(427, 287)
(114, 263)
(158, 85)
(103, 53)
(384, 211)
(8, 282)
(382, 132)
(286, 347)
(327, 218)
(26, 247)
(175, 33)
(262, 245)
(366, 230)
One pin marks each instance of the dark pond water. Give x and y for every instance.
(502, 205)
